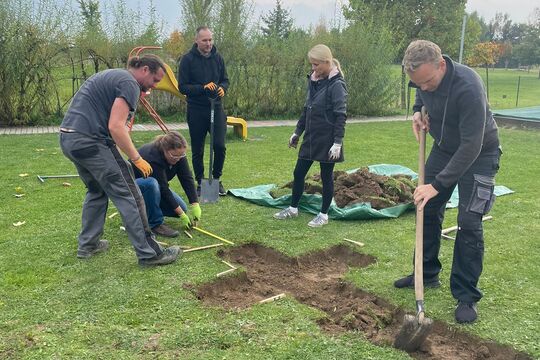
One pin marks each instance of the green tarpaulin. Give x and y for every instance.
(311, 203)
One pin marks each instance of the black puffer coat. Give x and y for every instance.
(323, 118)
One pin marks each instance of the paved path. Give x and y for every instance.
(25, 130)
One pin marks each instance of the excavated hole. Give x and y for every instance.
(316, 280)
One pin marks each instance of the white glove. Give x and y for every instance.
(334, 152)
(293, 141)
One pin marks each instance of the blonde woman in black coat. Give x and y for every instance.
(323, 125)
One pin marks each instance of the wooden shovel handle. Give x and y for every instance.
(419, 246)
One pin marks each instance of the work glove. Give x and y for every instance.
(196, 211)
(184, 220)
(334, 152)
(220, 92)
(293, 141)
(211, 86)
(143, 166)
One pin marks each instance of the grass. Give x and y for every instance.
(503, 87)
(55, 306)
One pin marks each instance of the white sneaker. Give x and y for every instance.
(319, 220)
(287, 213)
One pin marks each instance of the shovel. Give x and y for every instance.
(415, 329)
(210, 186)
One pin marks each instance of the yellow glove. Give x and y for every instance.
(210, 86)
(220, 92)
(143, 165)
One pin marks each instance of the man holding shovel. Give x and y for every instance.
(466, 154)
(202, 76)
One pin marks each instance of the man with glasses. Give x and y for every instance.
(167, 156)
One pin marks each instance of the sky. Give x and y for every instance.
(310, 12)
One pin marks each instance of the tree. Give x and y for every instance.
(91, 40)
(196, 13)
(485, 54)
(499, 27)
(278, 22)
(176, 44)
(438, 20)
(32, 40)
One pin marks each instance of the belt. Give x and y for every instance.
(64, 130)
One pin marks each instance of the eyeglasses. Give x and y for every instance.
(175, 157)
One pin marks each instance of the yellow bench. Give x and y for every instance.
(239, 126)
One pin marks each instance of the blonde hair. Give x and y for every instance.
(420, 52)
(171, 140)
(323, 53)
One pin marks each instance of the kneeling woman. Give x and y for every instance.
(167, 156)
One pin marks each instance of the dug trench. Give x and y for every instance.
(316, 280)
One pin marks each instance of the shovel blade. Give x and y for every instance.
(413, 333)
(209, 191)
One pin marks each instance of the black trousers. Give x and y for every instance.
(327, 176)
(476, 197)
(198, 119)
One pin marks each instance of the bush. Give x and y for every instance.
(32, 40)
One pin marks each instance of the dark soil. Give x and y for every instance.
(316, 280)
(360, 187)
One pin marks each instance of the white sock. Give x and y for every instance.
(294, 210)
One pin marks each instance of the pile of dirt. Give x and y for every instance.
(316, 280)
(361, 186)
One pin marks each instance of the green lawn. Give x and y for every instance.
(53, 305)
(503, 86)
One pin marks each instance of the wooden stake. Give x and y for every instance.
(162, 243)
(229, 265)
(188, 234)
(212, 235)
(113, 215)
(225, 272)
(202, 248)
(273, 298)
(354, 242)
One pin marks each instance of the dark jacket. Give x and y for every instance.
(195, 71)
(323, 118)
(163, 173)
(460, 120)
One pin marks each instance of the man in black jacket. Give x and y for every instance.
(465, 153)
(202, 75)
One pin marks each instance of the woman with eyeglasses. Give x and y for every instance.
(167, 156)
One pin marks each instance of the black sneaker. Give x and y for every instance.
(222, 191)
(408, 282)
(466, 312)
(164, 230)
(168, 256)
(102, 246)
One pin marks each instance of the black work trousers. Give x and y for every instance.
(198, 119)
(476, 198)
(327, 177)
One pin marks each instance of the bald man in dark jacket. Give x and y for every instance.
(202, 75)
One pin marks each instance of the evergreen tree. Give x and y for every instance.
(278, 22)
